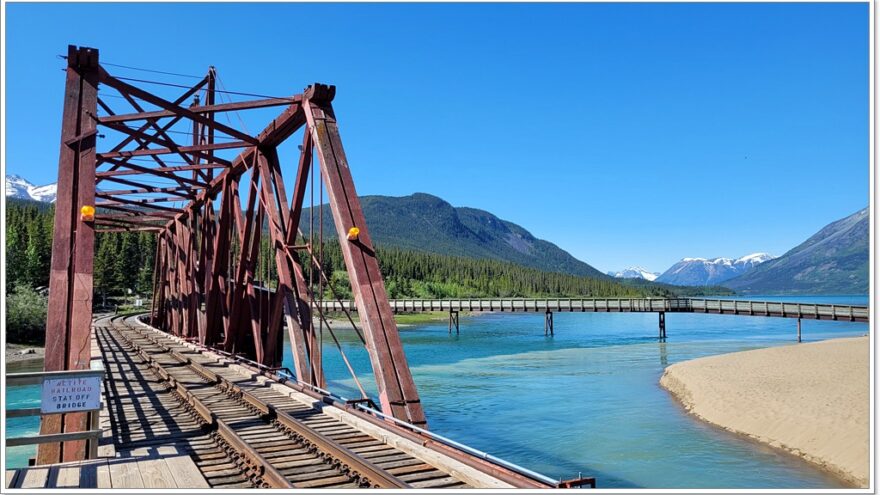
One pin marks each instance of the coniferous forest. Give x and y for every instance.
(124, 269)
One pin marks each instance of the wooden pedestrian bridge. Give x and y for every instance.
(548, 306)
(814, 311)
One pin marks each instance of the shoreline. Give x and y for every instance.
(809, 400)
(22, 357)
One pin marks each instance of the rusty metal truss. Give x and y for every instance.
(209, 214)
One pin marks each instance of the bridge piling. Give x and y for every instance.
(453, 321)
(548, 323)
(799, 330)
(662, 333)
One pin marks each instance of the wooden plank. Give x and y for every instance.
(103, 476)
(33, 477)
(125, 474)
(58, 437)
(11, 475)
(155, 473)
(185, 472)
(78, 475)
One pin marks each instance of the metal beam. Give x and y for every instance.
(397, 390)
(168, 151)
(126, 88)
(224, 107)
(69, 318)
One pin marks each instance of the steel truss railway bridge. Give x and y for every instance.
(192, 393)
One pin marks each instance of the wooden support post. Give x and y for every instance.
(662, 325)
(453, 321)
(548, 323)
(69, 318)
(799, 330)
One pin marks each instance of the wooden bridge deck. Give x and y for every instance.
(162, 471)
(679, 305)
(180, 416)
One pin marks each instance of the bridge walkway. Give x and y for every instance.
(836, 312)
(174, 407)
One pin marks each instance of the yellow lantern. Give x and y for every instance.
(353, 233)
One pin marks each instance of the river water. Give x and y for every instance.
(584, 401)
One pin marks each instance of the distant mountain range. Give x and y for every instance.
(423, 222)
(635, 272)
(19, 188)
(702, 271)
(833, 261)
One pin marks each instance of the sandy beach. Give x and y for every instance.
(809, 399)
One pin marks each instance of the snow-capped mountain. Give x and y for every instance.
(17, 187)
(703, 271)
(635, 272)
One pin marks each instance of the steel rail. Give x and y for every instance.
(215, 469)
(330, 398)
(375, 474)
(357, 465)
(261, 468)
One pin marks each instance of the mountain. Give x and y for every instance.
(635, 272)
(19, 188)
(423, 222)
(702, 271)
(832, 261)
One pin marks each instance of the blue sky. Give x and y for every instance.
(628, 134)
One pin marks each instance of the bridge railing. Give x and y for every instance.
(781, 308)
(689, 305)
(526, 304)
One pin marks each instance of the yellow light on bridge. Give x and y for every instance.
(353, 233)
(87, 213)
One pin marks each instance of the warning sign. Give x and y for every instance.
(61, 395)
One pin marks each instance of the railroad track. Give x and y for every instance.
(268, 438)
(147, 416)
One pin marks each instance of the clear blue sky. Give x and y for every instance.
(628, 134)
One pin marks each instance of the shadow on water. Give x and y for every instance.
(664, 357)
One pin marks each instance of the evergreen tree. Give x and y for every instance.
(37, 254)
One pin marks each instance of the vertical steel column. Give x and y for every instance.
(156, 302)
(397, 390)
(293, 294)
(69, 318)
(243, 294)
(216, 307)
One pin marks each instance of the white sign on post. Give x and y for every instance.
(62, 395)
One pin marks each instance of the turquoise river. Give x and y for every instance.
(586, 400)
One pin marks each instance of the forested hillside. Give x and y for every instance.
(124, 261)
(426, 223)
(414, 274)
